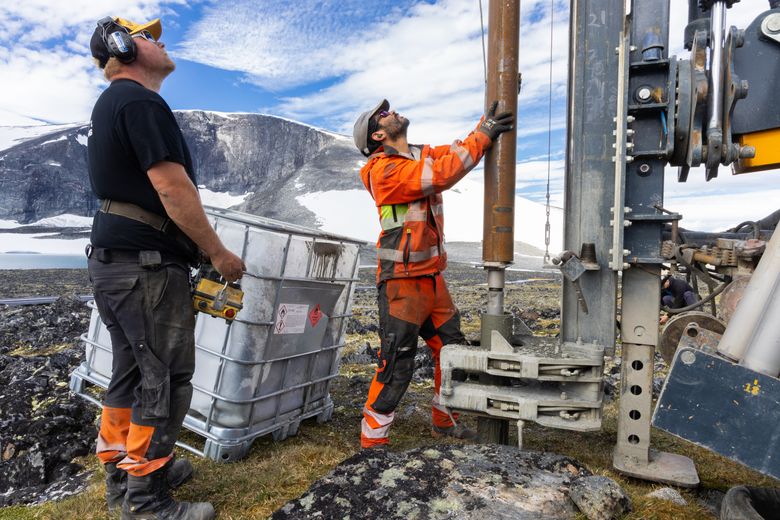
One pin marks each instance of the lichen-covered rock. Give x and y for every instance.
(668, 494)
(454, 482)
(599, 498)
(43, 427)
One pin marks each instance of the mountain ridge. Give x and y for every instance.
(278, 168)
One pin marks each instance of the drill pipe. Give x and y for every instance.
(502, 85)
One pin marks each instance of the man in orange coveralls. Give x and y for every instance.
(406, 182)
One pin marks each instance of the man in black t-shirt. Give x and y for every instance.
(150, 227)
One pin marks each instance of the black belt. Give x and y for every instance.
(127, 256)
(137, 213)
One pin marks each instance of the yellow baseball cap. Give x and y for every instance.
(154, 27)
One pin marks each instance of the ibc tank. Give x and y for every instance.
(271, 367)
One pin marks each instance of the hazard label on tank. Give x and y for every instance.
(291, 318)
(315, 315)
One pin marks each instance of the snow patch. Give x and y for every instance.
(65, 220)
(14, 135)
(82, 139)
(353, 213)
(463, 217)
(219, 199)
(60, 138)
(53, 163)
(38, 243)
(9, 224)
(349, 213)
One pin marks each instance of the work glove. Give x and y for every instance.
(493, 125)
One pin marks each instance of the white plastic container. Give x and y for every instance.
(271, 367)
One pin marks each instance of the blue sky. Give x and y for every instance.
(321, 62)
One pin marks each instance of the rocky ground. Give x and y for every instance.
(45, 432)
(43, 282)
(43, 427)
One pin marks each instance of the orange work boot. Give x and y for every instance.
(457, 431)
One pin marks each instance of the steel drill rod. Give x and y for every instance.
(718, 21)
(499, 208)
(502, 85)
(496, 282)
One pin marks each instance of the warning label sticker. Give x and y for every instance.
(315, 315)
(291, 318)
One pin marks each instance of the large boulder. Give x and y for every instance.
(454, 482)
(600, 498)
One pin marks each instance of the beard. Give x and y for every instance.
(167, 66)
(397, 128)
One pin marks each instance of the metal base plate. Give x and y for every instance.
(723, 407)
(667, 468)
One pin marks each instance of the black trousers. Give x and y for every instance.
(148, 313)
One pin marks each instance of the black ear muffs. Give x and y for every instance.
(117, 40)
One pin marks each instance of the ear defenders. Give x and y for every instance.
(117, 40)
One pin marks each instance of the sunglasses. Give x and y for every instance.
(146, 35)
(383, 113)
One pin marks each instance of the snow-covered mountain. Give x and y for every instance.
(256, 163)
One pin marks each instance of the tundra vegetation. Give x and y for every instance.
(276, 472)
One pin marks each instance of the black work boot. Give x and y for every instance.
(179, 472)
(149, 498)
(116, 485)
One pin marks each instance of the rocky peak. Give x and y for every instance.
(272, 158)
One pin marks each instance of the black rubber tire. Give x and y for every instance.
(751, 503)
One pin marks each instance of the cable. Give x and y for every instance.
(719, 289)
(484, 55)
(546, 259)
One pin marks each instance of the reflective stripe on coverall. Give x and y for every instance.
(408, 308)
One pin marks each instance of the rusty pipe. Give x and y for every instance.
(706, 258)
(499, 208)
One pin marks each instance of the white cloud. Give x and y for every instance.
(426, 59)
(46, 84)
(723, 202)
(34, 21)
(278, 43)
(46, 71)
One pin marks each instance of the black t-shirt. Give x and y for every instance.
(131, 129)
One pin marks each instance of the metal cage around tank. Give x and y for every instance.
(271, 367)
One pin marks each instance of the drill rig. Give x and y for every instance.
(633, 110)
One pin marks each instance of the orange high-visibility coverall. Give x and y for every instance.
(413, 297)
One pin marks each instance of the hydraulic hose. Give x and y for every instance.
(719, 289)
